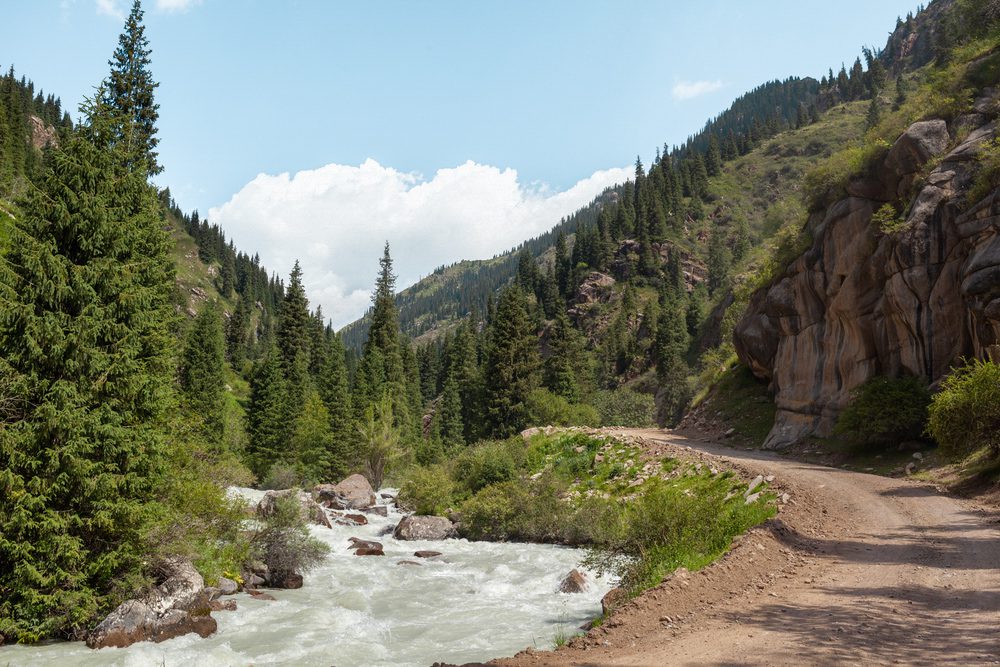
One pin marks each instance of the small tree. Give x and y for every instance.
(965, 415)
(379, 441)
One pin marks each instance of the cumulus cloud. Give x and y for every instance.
(110, 8)
(335, 219)
(176, 5)
(686, 90)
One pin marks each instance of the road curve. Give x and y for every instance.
(856, 569)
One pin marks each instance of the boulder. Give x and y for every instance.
(356, 519)
(426, 554)
(257, 595)
(227, 586)
(354, 493)
(408, 562)
(286, 580)
(357, 543)
(417, 527)
(613, 599)
(378, 510)
(176, 607)
(365, 551)
(311, 511)
(573, 582)
(223, 605)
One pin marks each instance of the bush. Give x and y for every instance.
(547, 409)
(624, 407)
(282, 476)
(988, 176)
(427, 490)
(965, 414)
(284, 544)
(672, 525)
(886, 410)
(827, 182)
(888, 220)
(489, 463)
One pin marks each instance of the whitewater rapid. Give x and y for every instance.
(479, 600)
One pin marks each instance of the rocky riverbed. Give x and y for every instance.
(475, 601)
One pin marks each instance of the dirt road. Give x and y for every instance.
(856, 569)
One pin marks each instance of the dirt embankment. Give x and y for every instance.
(855, 569)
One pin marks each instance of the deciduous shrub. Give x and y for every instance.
(886, 410)
(625, 407)
(548, 409)
(427, 490)
(490, 463)
(965, 414)
(284, 544)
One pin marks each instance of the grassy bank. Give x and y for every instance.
(641, 516)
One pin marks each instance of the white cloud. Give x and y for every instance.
(335, 219)
(176, 5)
(686, 90)
(110, 8)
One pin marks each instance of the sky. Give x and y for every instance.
(318, 129)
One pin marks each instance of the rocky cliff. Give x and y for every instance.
(863, 301)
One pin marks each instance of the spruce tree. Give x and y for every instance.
(128, 91)
(312, 441)
(267, 425)
(452, 428)
(565, 351)
(85, 331)
(294, 322)
(203, 384)
(512, 365)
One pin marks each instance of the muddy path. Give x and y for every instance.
(856, 569)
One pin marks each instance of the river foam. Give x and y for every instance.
(479, 600)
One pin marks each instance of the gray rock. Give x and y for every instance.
(227, 586)
(416, 527)
(357, 543)
(757, 481)
(176, 607)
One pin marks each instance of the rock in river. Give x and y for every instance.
(417, 527)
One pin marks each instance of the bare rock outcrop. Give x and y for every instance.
(176, 607)
(862, 302)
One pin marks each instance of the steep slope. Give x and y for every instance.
(903, 274)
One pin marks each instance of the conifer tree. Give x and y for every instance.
(565, 351)
(719, 260)
(332, 385)
(452, 428)
(128, 92)
(202, 381)
(312, 440)
(90, 349)
(294, 322)
(512, 363)
(267, 425)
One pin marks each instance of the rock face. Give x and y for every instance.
(176, 607)
(416, 527)
(862, 302)
(354, 493)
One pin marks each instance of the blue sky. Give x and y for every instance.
(424, 103)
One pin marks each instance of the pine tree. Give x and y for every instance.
(312, 440)
(332, 384)
(238, 333)
(671, 369)
(511, 365)
(128, 93)
(89, 347)
(203, 384)
(713, 157)
(719, 261)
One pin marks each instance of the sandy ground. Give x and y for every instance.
(856, 569)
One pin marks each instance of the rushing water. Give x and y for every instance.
(479, 600)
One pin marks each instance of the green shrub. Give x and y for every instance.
(282, 476)
(547, 409)
(284, 543)
(625, 407)
(888, 220)
(988, 175)
(489, 463)
(672, 525)
(885, 410)
(965, 414)
(427, 490)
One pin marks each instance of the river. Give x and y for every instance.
(480, 600)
